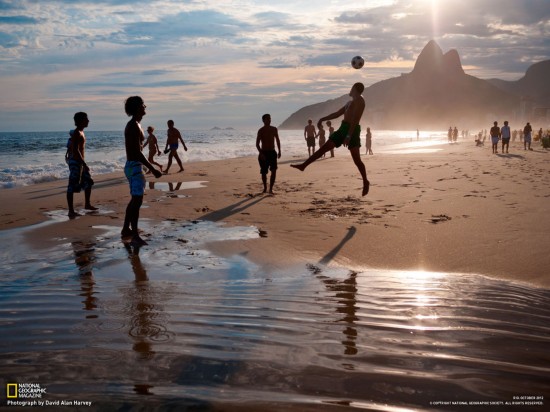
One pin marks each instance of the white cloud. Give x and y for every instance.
(211, 57)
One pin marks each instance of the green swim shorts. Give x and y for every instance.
(339, 136)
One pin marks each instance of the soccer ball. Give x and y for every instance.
(357, 62)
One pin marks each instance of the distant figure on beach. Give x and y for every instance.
(267, 156)
(309, 136)
(79, 172)
(321, 136)
(172, 144)
(450, 134)
(527, 136)
(330, 132)
(368, 142)
(455, 134)
(349, 134)
(152, 142)
(495, 136)
(417, 134)
(135, 160)
(506, 134)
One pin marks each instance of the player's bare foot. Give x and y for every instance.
(90, 207)
(181, 170)
(300, 167)
(72, 214)
(366, 188)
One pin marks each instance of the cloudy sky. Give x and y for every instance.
(208, 63)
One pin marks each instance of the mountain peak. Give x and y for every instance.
(432, 60)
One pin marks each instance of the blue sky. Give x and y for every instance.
(208, 63)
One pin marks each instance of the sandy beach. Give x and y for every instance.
(443, 208)
(313, 299)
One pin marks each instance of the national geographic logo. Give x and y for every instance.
(24, 391)
(11, 391)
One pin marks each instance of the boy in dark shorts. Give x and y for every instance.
(267, 157)
(135, 160)
(348, 134)
(79, 172)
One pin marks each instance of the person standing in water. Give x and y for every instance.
(349, 134)
(79, 172)
(135, 160)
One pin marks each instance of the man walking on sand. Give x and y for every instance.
(172, 142)
(349, 134)
(135, 160)
(265, 143)
(79, 172)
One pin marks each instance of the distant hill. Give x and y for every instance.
(436, 94)
(535, 85)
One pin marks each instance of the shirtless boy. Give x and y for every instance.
(309, 135)
(348, 134)
(265, 143)
(152, 142)
(135, 160)
(79, 172)
(172, 141)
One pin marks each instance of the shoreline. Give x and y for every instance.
(456, 210)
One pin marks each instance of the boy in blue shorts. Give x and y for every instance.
(79, 172)
(348, 134)
(135, 160)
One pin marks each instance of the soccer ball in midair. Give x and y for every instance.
(357, 62)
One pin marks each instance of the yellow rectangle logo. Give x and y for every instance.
(11, 390)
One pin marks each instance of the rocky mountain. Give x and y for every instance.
(436, 94)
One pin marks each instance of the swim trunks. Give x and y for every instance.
(268, 162)
(310, 141)
(134, 173)
(174, 146)
(79, 177)
(527, 137)
(495, 140)
(339, 136)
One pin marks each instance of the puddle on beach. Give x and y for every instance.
(173, 326)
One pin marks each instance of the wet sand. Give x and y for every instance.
(312, 299)
(446, 208)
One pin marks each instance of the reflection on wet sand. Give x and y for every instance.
(193, 330)
(84, 253)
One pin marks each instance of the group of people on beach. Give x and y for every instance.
(504, 134)
(79, 173)
(310, 135)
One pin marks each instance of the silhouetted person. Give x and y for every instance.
(309, 136)
(267, 157)
(368, 142)
(349, 134)
(527, 136)
(79, 172)
(172, 144)
(135, 160)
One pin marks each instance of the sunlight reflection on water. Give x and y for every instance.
(185, 327)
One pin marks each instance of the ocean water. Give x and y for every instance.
(34, 157)
(175, 327)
